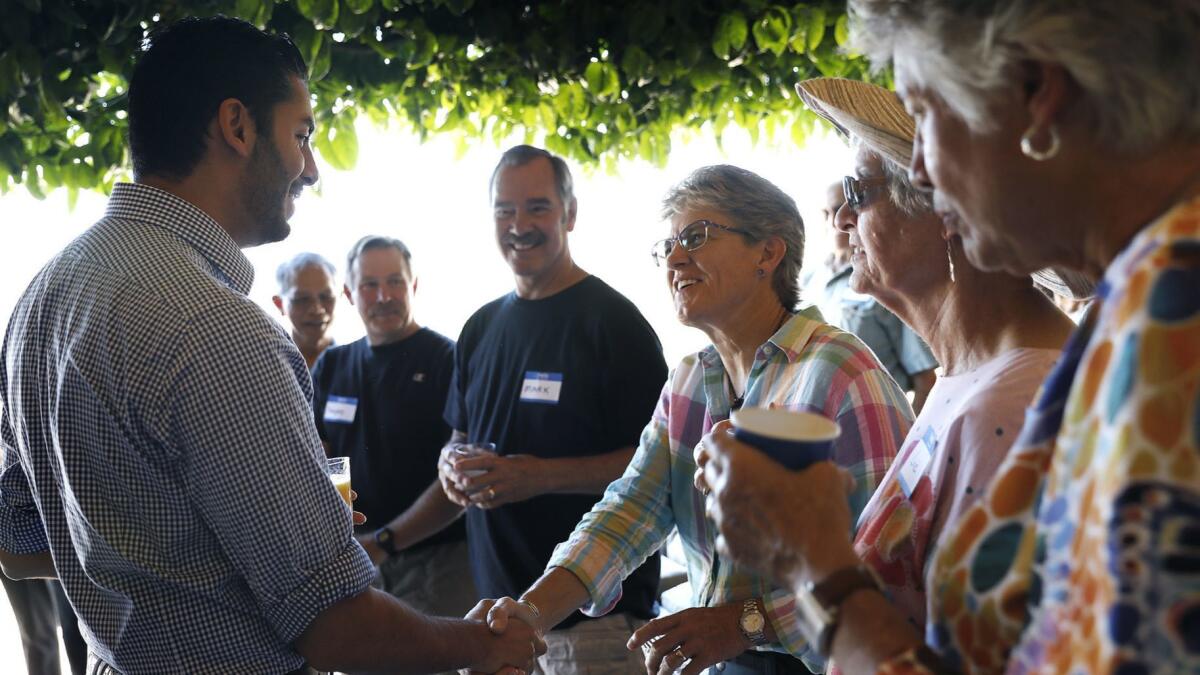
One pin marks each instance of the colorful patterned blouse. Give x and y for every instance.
(948, 459)
(1084, 556)
(807, 365)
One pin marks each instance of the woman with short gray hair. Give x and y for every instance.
(1065, 134)
(730, 264)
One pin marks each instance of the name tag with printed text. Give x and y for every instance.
(340, 409)
(541, 387)
(917, 462)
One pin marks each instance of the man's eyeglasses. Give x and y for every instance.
(855, 190)
(690, 238)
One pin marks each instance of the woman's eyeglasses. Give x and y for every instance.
(690, 238)
(855, 190)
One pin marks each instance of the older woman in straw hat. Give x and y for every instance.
(996, 337)
(1065, 134)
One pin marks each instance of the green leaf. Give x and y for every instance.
(841, 31)
(816, 27)
(772, 30)
(338, 144)
(602, 79)
(391, 5)
(637, 65)
(323, 12)
(358, 6)
(730, 35)
(318, 67)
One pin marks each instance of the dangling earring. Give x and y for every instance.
(1036, 155)
(950, 259)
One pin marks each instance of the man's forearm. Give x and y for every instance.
(373, 632)
(586, 475)
(32, 566)
(430, 514)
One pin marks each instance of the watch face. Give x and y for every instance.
(752, 622)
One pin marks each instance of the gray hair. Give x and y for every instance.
(372, 242)
(520, 155)
(285, 274)
(755, 204)
(904, 195)
(1134, 60)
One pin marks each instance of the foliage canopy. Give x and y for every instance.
(594, 80)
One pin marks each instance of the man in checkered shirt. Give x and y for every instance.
(159, 453)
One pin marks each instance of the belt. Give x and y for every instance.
(98, 666)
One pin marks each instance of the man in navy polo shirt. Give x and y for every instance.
(561, 375)
(379, 401)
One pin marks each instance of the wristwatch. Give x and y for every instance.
(820, 603)
(386, 541)
(753, 624)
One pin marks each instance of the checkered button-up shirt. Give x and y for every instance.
(807, 365)
(158, 440)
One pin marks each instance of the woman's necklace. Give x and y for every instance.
(736, 400)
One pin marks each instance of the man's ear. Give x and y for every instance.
(346, 292)
(278, 301)
(416, 280)
(235, 127)
(572, 211)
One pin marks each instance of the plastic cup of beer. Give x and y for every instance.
(474, 449)
(338, 469)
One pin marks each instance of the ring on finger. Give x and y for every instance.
(490, 495)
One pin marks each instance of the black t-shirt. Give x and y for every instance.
(572, 375)
(382, 407)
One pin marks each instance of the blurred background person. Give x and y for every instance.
(898, 348)
(379, 401)
(306, 298)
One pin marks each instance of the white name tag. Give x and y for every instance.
(340, 409)
(541, 387)
(917, 462)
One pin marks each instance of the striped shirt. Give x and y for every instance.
(158, 441)
(806, 365)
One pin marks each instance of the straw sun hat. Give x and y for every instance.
(876, 117)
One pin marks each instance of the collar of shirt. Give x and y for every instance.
(789, 340)
(143, 203)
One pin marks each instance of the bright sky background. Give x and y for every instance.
(438, 205)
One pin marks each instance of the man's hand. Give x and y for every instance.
(700, 637)
(507, 479)
(498, 614)
(449, 477)
(793, 526)
(367, 541)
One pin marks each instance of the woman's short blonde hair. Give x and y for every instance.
(1135, 60)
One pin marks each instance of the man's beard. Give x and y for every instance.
(264, 191)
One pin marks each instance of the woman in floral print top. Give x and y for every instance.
(1064, 134)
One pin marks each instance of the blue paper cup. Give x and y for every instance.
(794, 439)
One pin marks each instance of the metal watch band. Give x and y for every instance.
(759, 637)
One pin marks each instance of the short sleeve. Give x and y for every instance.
(632, 377)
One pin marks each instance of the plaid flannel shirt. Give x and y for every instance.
(806, 365)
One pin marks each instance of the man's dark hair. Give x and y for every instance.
(520, 155)
(184, 73)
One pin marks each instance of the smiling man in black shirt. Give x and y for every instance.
(379, 401)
